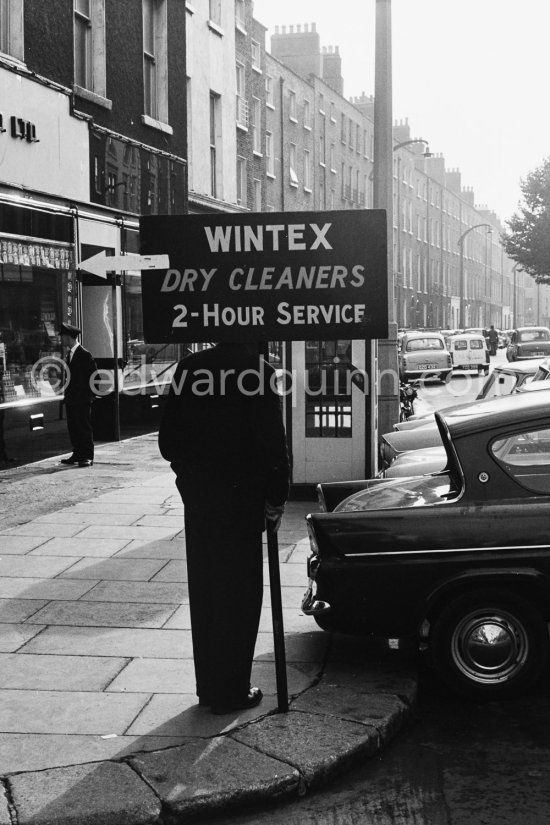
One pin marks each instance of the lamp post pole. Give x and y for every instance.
(514, 295)
(385, 400)
(461, 276)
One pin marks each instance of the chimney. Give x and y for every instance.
(299, 50)
(332, 69)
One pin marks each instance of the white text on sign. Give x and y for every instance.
(292, 237)
(252, 278)
(214, 315)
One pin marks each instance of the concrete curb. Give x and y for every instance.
(329, 729)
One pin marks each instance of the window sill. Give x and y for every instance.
(215, 28)
(241, 127)
(307, 128)
(271, 175)
(333, 120)
(157, 124)
(334, 172)
(189, 7)
(240, 28)
(322, 164)
(322, 112)
(257, 69)
(293, 119)
(308, 190)
(257, 154)
(92, 97)
(294, 185)
(270, 106)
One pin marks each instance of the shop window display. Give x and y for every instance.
(37, 292)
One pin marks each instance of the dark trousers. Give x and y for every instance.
(79, 425)
(225, 580)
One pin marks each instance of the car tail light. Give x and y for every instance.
(321, 499)
(312, 540)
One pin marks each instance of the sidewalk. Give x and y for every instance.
(98, 715)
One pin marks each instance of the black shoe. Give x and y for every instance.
(86, 463)
(70, 460)
(253, 698)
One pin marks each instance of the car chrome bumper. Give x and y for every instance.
(312, 606)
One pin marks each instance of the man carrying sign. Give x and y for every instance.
(223, 434)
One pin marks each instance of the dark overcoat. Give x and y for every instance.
(223, 434)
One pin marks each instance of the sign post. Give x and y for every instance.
(289, 276)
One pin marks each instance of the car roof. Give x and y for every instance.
(529, 329)
(528, 365)
(500, 411)
(424, 334)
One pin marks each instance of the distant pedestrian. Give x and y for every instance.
(493, 340)
(223, 433)
(78, 397)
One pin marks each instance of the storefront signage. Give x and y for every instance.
(270, 276)
(20, 128)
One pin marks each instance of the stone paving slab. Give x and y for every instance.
(43, 711)
(19, 610)
(33, 588)
(23, 752)
(14, 636)
(118, 569)
(221, 774)
(163, 549)
(152, 592)
(52, 672)
(113, 641)
(105, 792)
(15, 545)
(84, 547)
(100, 614)
(36, 566)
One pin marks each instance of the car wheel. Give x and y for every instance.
(489, 644)
(446, 377)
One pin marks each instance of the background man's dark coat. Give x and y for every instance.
(78, 402)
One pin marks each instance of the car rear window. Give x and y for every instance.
(529, 335)
(423, 343)
(526, 458)
(476, 344)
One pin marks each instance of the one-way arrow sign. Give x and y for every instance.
(101, 263)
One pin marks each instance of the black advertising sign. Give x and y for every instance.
(270, 276)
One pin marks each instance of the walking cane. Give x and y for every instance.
(277, 616)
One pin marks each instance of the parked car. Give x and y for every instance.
(469, 352)
(459, 560)
(528, 342)
(424, 355)
(421, 431)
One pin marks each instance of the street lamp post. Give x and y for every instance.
(399, 263)
(514, 295)
(460, 243)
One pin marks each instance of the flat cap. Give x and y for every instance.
(70, 329)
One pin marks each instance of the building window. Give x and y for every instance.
(332, 112)
(256, 126)
(89, 45)
(214, 144)
(307, 170)
(256, 56)
(343, 129)
(155, 60)
(215, 11)
(240, 14)
(332, 158)
(241, 181)
(270, 160)
(11, 28)
(242, 102)
(322, 204)
(307, 114)
(321, 103)
(292, 110)
(257, 195)
(292, 165)
(269, 97)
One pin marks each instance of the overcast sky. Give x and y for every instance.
(471, 76)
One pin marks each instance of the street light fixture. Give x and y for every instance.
(460, 243)
(425, 154)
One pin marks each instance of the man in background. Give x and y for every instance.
(78, 398)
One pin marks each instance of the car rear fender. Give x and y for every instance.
(528, 582)
(331, 493)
